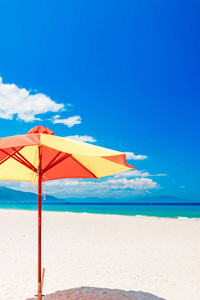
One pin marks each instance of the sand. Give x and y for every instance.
(101, 256)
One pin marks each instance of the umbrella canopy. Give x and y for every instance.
(39, 156)
(60, 158)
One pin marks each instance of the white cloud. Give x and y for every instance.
(134, 173)
(137, 173)
(71, 121)
(109, 185)
(90, 188)
(18, 101)
(133, 184)
(82, 138)
(131, 155)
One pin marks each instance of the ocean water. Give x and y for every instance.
(156, 210)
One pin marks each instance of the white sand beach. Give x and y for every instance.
(149, 258)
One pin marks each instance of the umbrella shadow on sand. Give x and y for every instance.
(93, 293)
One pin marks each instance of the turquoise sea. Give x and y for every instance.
(157, 210)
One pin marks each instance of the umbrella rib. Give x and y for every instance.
(56, 162)
(23, 158)
(49, 164)
(18, 159)
(84, 167)
(11, 156)
(23, 162)
(6, 158)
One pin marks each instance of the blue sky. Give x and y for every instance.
(120, 74)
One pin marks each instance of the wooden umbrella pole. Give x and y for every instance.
(39, 296)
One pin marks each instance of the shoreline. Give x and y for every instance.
(103, 214)
(100, 213)
(158, 256)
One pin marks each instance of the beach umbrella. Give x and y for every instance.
(39, 156)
